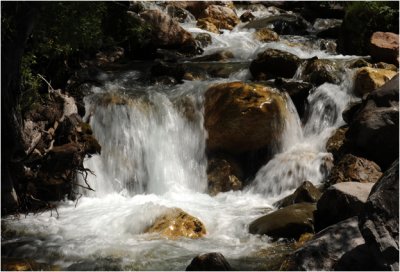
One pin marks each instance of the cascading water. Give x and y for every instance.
(153, 157)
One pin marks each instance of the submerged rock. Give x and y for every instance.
(341, 201)
(175, 223)
(223, 175)
(379, 223)
(274, 63)
(214, 261)
(369, 79)
(306, 192)
(204, 39)
(384, 46)
(243, 117)
(289, 222)
(355, 169)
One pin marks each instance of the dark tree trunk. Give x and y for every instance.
(21, 16)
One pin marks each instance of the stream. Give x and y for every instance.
(153, 157)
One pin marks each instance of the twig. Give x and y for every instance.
(48, 83)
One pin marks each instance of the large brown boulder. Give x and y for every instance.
(379, 224)
(369, 79)
(274, 63)
(214, 261)
(175, 223)
(374, 129)
(194, 7)
(356, 169)
(208, 25)
(222, 17)
(289, 222)
(385, 47)
(243, 117)
(167, 33)
(341, 201)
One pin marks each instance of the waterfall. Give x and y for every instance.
(148, 144)
(303, 155)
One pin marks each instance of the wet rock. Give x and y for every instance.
(298, 92)
(167, 33)
(355, 169)
(306, 192)
(214, 261)
(223, 175)
(204, 39)
(24, 264)
(379, 223)
(385, 47)
(274, 63)
(174, 70)
(247, 16)
(283, 24)
(335, 143)
(194, 7)
(288, 222)
(329, 46)
(369, 79)
(220, 56)
(319, 71)
(222, 17)
(327, 247)
(243, 117)
(175, 223)
(327, 28)
(386, 66)
(357, 259)
(208, 25)
(179, 14)
(266, 35)
(358, 63)
(374, 131)
(341, 201)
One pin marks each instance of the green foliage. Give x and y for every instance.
(362, 19)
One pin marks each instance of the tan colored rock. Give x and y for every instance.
(368, 79)
(356, 169)
(385, 47)
(176, 223)
(266, 35)
(206, 24)
(335, 143)
(243, 117)
(222, 17)
(166, 31)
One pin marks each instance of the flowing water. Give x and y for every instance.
(153, 157)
